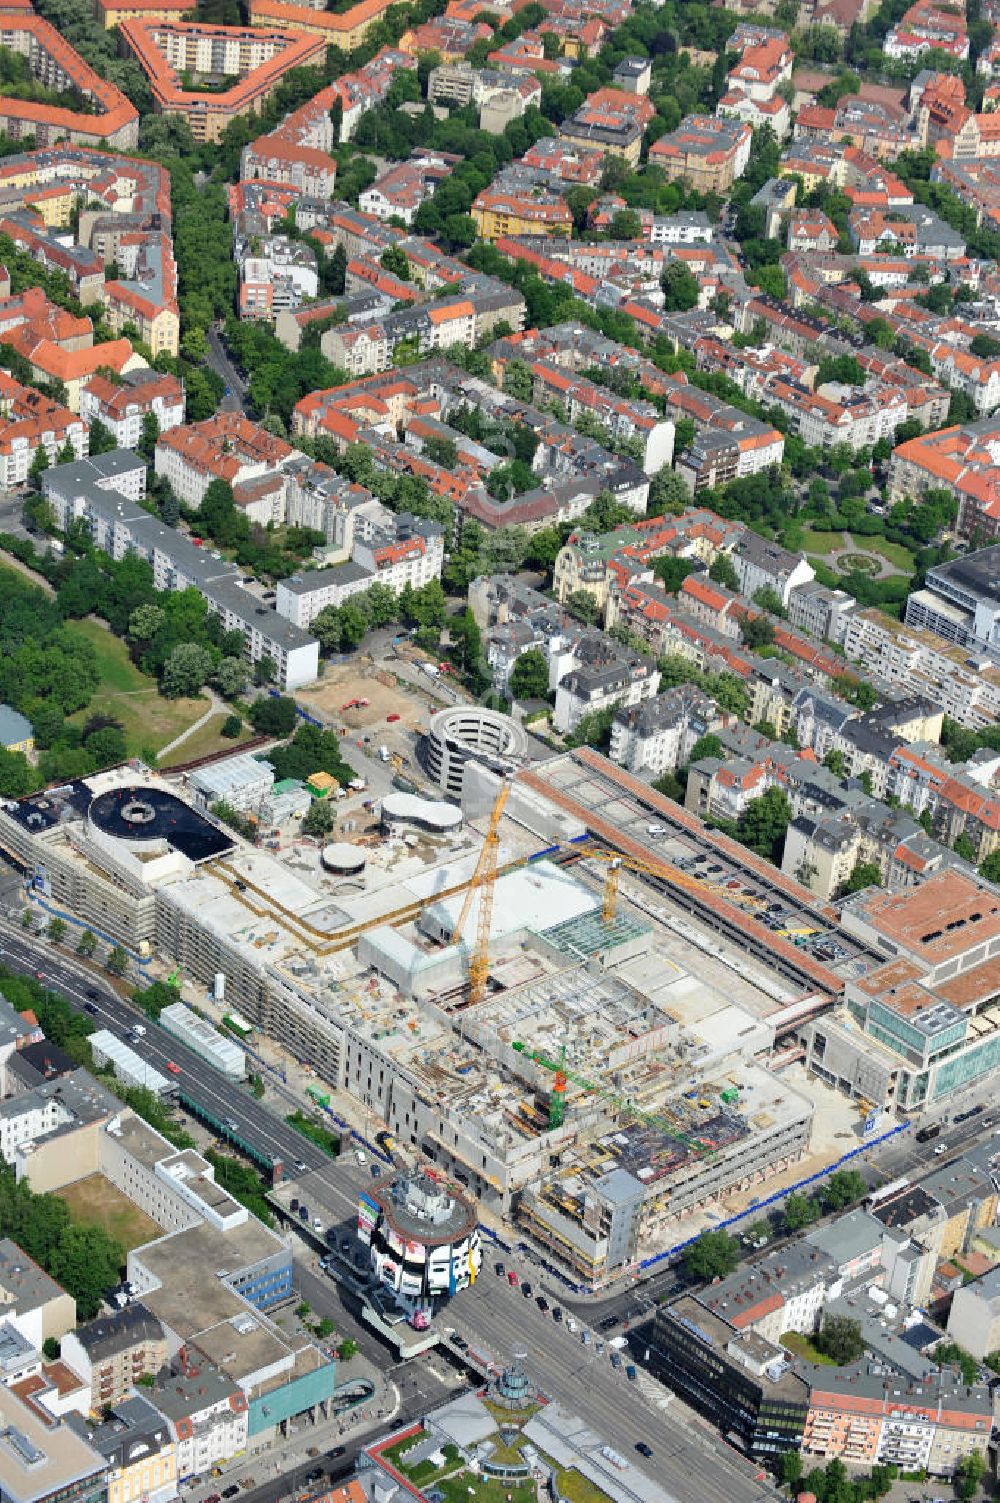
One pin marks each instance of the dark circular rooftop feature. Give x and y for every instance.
(140, 814)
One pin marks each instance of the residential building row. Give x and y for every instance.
(104, 492)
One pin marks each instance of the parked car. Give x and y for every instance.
(499, 1270)
(513, 1279)
(230, 1492)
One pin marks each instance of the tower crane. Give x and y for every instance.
(623, 1103)
(483, 882)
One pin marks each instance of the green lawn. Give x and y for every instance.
(207, 739)
(822, 544)
(794, 1341)
(132, 697)
(455, 1489)
(896, 553)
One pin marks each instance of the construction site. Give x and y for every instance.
(529, 1004)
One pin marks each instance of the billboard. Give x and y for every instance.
(368, 1214)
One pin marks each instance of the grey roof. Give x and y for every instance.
(977, 572)
(187, 1390)
(14, 727)
(23, 1285)
(786, 1272)
(311, 580)
(12, 1025)
(848, 1237)
(135, 1429)
(619, 1188)
(111, 1334)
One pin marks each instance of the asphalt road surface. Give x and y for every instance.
(199, 1081)
(498, 1321)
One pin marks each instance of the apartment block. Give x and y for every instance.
(30, 421)
(123, 405)
(179, 58)
(113, 120)
(102, 493)
(114, 1351)
(707, 153)
(922, 662)
(403, 551)
(226, 447)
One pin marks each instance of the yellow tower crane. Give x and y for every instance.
(483, 881)
(617, 863)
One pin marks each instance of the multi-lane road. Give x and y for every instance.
(199, 1082)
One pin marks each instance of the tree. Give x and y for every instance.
(347, 1349)
(39, 463)
(769, 600)
(708, 745)
(834, 760)
(230, 678)
(843, 1189)
(56, 930)
(963, 847)
(394, 260)
(583, 605)
(118, 961)
(17, 776)
(529, 677)
(990, 868)
(672, 572)
(231, 727)
(712, 1256)
(593, 729)
(762, 825)
(185, 670)
(791, 1469)
(86, 944)
(518, 381)
(667, 491)
(799, 1211)
(680, 288)
(756, 631)
(273, 717)
(723, 572)
(145, 621)
(840, 1339)
(67, 454)
(338, 270)
(264, 670)
(102, 440)
(863, 874)
(150, 434)
(969, 1474)
(319, 818)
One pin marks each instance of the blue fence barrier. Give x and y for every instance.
(762, 1205)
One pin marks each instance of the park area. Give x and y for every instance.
(206, 741)
(868, 555)
(95, 1201)
(131, 697)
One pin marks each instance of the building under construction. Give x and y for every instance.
(486, 992)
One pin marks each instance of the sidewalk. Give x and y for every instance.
(307, 1445)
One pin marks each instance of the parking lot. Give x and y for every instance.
(731, 889)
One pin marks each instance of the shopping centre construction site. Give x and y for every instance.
(566, 992)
